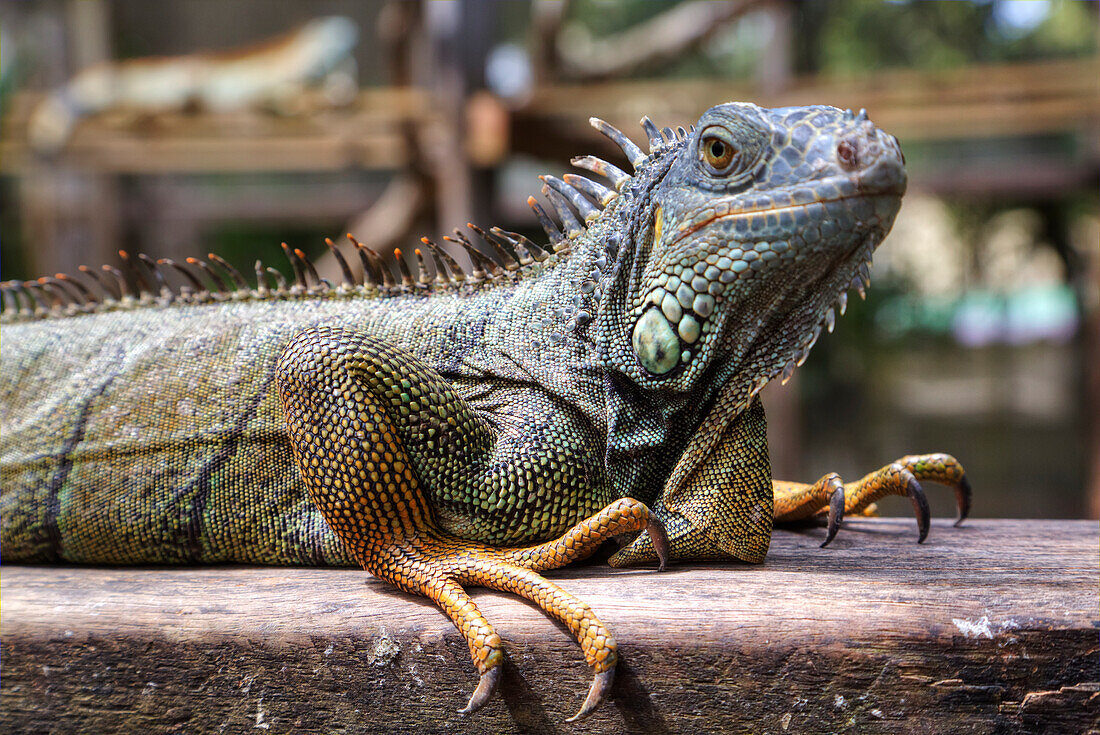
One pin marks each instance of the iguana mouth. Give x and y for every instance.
(775, 210)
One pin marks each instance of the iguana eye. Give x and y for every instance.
(719, 155)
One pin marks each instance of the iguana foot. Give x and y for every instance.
(362, 414)
(438, 567)
(831, 498)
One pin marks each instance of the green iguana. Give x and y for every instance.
(460, 428)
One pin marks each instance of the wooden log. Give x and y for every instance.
(990, 627)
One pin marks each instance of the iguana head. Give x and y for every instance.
(751, 228)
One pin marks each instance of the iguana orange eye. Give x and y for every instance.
(718, 154)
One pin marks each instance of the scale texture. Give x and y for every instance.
(467, 426)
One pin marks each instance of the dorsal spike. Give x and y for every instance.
(27, 303)
(261, 278)
(633, 153)
(70, 287)
(74, 291)
(62, 296)
(40, 299)
(125, 288)
(492, 268)
(536, 251)
(166, 295)
(373, 270)
(585, 208)
(680, 132)
(476, 271)
(142, 283)
(570, 224)
(280, 280)
(166, 292)
(441, 275)
(523, 253)
(296, 265)
(612, 173)
(380, 265)
(507, 258)
(403, 267)
(187, 273)
(455, 272)
(482, 267)
(14, 291)
(557, 240)
(668, 134)
(310, 269)
(220, 285)
(424, 280)
(596, 191)
(234, 274)
(345, 269)
(86, 293)
(104, 283)
(656, 142)
(11, 303)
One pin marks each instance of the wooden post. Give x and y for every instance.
(990, 627)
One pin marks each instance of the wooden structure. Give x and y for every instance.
(990, 627)
(970, 103)
(73, 210)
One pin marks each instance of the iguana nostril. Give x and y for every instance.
(847, 153)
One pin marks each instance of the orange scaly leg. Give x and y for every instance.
(361, 414)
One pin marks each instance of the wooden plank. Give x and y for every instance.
(365, 135)
(987, 628)
(967, 103)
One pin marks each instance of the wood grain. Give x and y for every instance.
(991, 627)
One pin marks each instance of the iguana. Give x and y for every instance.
(270, 74)
(468, 427)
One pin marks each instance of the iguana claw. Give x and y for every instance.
(601, 685)
(920, 507)
(836, 510)
(659, 538)
(962, 498)
(485, 688)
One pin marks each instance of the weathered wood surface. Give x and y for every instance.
(991, 627)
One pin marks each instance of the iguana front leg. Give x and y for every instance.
(720, 501)
(370, 425)
(830, 497)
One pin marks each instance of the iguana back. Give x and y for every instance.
(154, 433)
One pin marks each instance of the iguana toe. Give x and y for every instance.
(797, 501)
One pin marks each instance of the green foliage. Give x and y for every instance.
(859, 35)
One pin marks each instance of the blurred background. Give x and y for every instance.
(180, 128)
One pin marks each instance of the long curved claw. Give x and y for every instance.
(920, 506)
(601, 685)
(485, 688)
(962, 498)
(836, 512)
(660, 541)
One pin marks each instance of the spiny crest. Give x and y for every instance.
(576, 200)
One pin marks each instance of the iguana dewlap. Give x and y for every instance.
(467, 428)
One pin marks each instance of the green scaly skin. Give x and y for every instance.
(625, 365)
